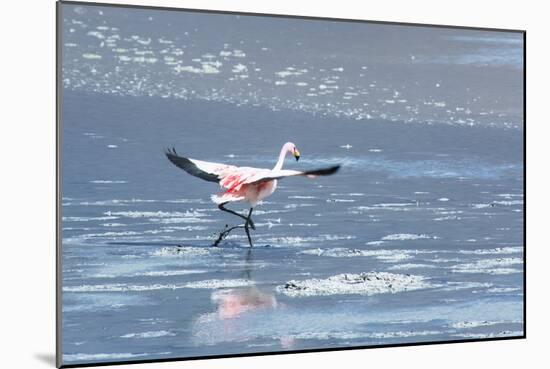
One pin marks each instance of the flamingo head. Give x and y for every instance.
(291, 148)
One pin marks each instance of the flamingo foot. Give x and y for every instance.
(223, 234)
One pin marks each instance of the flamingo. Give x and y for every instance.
(247, 184)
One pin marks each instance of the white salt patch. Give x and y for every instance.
(358, 335)
(497, 250)
(364, 284)
(393, 205)
(220, 283)
(340, 200)
(91, 56)
(96, 34)
(170, 273)
(475, 324)
(295, 206)
(509, 202)
(503, 289)
(87, 219)
(95, 357)
(205, 69)
(154, 214)
(183, 251)
(456, 286)
(239, 68)
(405, 236)
(186, 228)
(188, 201)
(388, 256)
(238, 53)
(123, 287)
(291, 71)
(151, 334)
(510, 195)
(143, 42)
(394, 257)
(102, 181)
(490, 266)
(411, 266)
(348, 194)
(374, 243)
(142, 59)
(444, 199)
(112, 146)
(181, 220)
(307, 240)
(490, 335)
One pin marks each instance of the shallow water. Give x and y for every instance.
(432, 210)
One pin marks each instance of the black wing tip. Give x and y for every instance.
(325, 171)
(333, 169)
(168, 151)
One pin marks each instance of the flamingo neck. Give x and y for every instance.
(281, 160)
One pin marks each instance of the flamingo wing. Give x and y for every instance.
(269, 175)
(232, 177)
(212, 172)
(228, 176)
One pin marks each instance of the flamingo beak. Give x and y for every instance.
(296, 154)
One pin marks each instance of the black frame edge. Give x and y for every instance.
(58, 236)
(524, 184)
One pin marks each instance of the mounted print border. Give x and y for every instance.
(402, 223)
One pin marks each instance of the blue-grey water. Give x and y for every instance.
(426, 122)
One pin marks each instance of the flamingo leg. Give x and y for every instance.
(228, 229)
(247, 219)
(225, 233)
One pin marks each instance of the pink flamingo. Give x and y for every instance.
(247, 184)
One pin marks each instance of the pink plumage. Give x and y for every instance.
(244, 183)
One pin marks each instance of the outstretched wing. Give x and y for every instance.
(233, 177)
(212, 172)
(270, 175)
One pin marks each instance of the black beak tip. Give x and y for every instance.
(297, 158)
